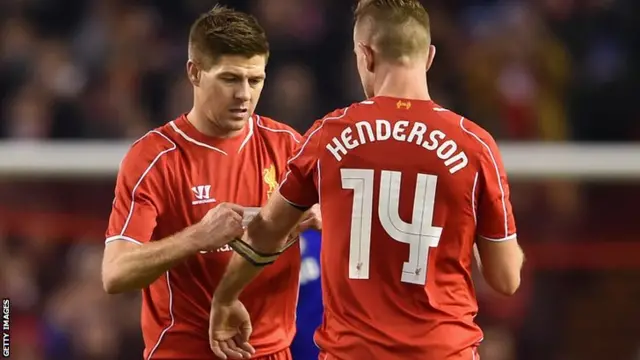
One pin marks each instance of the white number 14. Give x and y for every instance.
(420, 234)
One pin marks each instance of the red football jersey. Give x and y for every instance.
(404, 187)
(169, 180)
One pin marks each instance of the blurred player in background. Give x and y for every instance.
(309, 312)
(183, 190)
(406, 189)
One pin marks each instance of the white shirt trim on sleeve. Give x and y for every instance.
(495, 165)
(135, 187)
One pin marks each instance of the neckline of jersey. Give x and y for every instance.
(228, 145)
(395, 99)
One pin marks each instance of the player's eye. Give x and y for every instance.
(255, 81)
(230, 79)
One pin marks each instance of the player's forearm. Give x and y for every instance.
(267, 235)
(241, 272)
(238, 275)
(263, 234)
(502, 273)
(139, 267)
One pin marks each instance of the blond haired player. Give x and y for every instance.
(406, 189)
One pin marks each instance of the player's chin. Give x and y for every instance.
(236, 121)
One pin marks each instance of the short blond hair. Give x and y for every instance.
(398, 28)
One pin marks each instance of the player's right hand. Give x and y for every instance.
(229, 330)
(219, 226)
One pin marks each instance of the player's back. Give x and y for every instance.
(397, 185)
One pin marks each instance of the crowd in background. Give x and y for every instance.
(543, 69)
(550, 70)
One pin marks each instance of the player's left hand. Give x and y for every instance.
(311, 220)
(229, 330)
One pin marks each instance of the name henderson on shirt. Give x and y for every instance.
(447, 151)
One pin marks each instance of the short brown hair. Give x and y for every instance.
(400, 28)
(225, 31)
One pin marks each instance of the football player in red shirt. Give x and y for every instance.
(406, 188)
(182, 192)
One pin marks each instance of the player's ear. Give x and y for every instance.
(193, 72)
(430, 57)
(369, 59)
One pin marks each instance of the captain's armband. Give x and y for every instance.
(257, 258)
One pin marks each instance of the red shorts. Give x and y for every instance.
(280, 355)
(324, 356)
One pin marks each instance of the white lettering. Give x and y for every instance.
(225, 248)
(6, 327)
(362, 126)
(460, 158)
(417, 133)
(435, 137)
(383, 134)
(336, 149)
(445, 154)
(349, 143)
(398, 130)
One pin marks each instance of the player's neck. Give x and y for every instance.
(208, 127)
(400, 82)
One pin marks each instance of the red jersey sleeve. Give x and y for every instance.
(495, 215)
(296, 141)
(299, 186)
(137, 200)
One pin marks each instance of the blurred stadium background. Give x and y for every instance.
(80, 79)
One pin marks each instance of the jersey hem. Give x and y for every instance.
(123, 238)
(507, 238)
(295, 205)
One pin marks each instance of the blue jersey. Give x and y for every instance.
(309, 312)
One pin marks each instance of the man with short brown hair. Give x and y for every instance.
(186, 189)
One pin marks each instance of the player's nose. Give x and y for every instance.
(243, 92)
